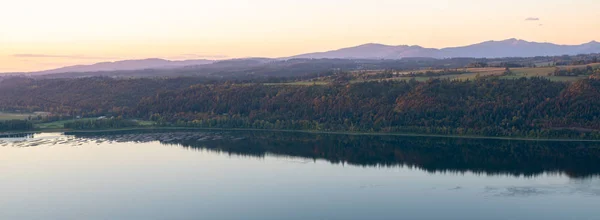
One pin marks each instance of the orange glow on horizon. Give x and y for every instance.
(67, 32)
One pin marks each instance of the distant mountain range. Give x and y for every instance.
(489, 49)
(152, 63)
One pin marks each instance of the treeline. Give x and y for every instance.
(539, 61)
(431, 73)
(388, 74)
(85, 97)
(489, 157)
(263, 68)
(526, 107)
(484, 63)
(533, 107)
(582, 59)
(588, 70)
(108, 123)
(16, 125)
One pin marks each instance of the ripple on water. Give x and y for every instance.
(117, 138)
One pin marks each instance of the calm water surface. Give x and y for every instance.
(263, 175)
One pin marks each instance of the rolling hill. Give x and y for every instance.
(152, 63)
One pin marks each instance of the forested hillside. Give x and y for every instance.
(524, 107)
(84, 96)
(256, 68)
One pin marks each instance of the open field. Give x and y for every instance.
(494, 71)
(300, 83)
(55, 124)
(145, 123)
(11, 116)
(553, 78)
(61, 124)
(471, 74)
(544, 71)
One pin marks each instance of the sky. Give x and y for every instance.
(43, 34)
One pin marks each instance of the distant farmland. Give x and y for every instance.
(473, 73)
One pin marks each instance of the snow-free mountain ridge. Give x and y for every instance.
(489, 49)
(152, 63)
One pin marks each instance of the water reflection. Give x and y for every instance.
(588, 187)
(490, 157)
(189, 175)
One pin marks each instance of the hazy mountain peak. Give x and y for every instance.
(378, 45)
(592, 43)
(515, 41)
(149, 63)
(512, 47)
(511, 41)
(372, 45)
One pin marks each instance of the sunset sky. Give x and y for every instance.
(44, 34)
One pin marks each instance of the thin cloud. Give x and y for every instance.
(78, 57)
(28, 61)
(532, 19)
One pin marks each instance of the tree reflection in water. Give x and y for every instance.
(432, 154)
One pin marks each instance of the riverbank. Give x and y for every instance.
(70, 131)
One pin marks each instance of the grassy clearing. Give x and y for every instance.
(61, 124)
(466, 76)
(300, 83)
(552, 78)
(472, 74)
(544, 71)
(530, 72)
(55, 124)
(145, 123)
(11, 116)
(486, 72)
(4, 116)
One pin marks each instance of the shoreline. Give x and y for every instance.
(301, 131)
